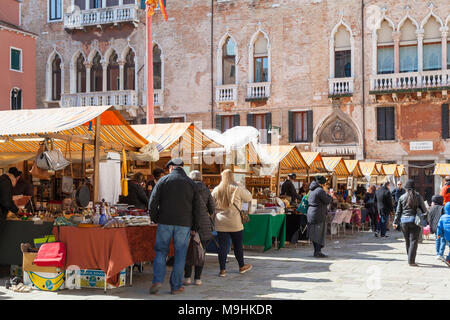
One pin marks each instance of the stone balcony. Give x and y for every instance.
(258, 91)
(226, 93)
(101, 16)
(339, 87)
(115, 98)
(410, 82)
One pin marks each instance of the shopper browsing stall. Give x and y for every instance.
(7, 183)
(318, 200)
(371, 207)
(288, 188)
(383, 200)
(136, 192)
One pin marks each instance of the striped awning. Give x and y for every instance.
(336, 165)
(442, 169)
(354, 168)
(380, 169)
(314, 161)
(401, 170)
(23, 131)
(288, 157)
(184, 135)
(391, 170)
(369, 168)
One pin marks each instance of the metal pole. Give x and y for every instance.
(150, 106)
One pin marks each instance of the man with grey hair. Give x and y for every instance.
(175, 207)
(205, 226)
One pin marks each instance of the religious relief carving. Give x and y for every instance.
(337, 131)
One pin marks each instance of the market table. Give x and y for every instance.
(13, 233)
(261, 228)
(97, 248)
(141, 241)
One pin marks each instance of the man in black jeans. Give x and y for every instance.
(383, 200)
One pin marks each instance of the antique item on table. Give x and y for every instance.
(114, 223)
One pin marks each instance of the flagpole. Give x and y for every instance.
(150, 97)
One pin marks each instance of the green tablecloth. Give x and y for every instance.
(261, 228)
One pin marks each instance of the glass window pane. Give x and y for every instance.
(408, 59)
(15, 60)
(343, 64)
(432, 57)
(385, 60)
(258, 70)
(265, 75)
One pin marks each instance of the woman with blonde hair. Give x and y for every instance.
(229, 196)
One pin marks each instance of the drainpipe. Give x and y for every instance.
(363, 81)
(212, 64)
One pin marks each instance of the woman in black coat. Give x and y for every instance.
(318, 200)
(205, 227)
(136, 192)
(370, 205)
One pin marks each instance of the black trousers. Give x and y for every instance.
(317, 247)
(237, 240)
(411, 232)
(372, 213)
(198, 269)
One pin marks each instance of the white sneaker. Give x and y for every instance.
(198, 282)
(440, 258)
(187, 281)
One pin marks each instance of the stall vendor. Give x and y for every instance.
(7, 183)
(288, 189)
(23, 188)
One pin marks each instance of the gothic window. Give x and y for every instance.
(16, 99)
(113, 72)
(342, 53)
(432, 45)
(97, 74)
(56, 78)
(157, 67)
(261, 59)
(81, 74)
(385, 49)
(408, 47)
(229, 62)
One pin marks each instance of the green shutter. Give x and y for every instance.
(309, 124)
(291, 126)
(381, 123)
(237, 120)
(15, 60)
(445, 122)
(143, 4)
(250, 121)
(219, 122)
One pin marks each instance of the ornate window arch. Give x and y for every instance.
(409, 45)
(259, 51)
(158, 67)
(129, 58)
(227, 60)
(383, 58)
(78, 72)
(54, 77)
(432, 26)
(342, 51)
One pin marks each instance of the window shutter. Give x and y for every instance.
(291, 126)
(390, 123)
(19, 100)
(268, 127)
(381, 124)
(237, 120)
(250, 121)
(15, 59)
(162, 120)
(309, 123)
(219, 122)
(445, 122)
(143, 4)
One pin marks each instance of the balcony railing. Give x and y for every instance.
(410, 80)
(93, 17)
(226, 93)
(258, 90)
(158, 97)
(340, 86)
(115, 98)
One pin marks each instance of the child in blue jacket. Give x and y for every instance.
(443, 229)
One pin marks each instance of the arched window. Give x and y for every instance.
(342, 53)
(432, 45)
(157, 67)
(16, 99)
(113, 72)
(229, 62)
(385, 49)
(96, 74)
(56, 78)
(81, 74)
(129, 71)
(408, 47)
(261, 59)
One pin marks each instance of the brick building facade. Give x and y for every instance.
(366, 79)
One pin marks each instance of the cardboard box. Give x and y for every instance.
(28, 265)
(96, 279)
(45, 281)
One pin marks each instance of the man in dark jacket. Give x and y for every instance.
(136, 192)
(318, 200)
(288, 189)
(175, 207)
(7, 183)
(383, 200)
(436, 211)
(397, 193)
(205, 227)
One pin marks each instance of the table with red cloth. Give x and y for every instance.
(97, 248)
(141, 241)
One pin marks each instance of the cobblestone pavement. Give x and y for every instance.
(359, 266)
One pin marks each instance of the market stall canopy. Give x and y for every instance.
(24, 130)
(336, 165)
(288, 157)
(184, 135)
(391, 170)
(380, 169)
(369, 168)
(354, 168)
(314, 161)
(402, 170)
(442, 169)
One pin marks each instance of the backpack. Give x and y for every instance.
(303, 206)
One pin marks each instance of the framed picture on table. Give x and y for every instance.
(350, 183)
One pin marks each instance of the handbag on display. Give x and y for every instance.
(51, 254)
(36, 171)
(51, 159)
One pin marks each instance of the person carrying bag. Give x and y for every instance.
(410, 214)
